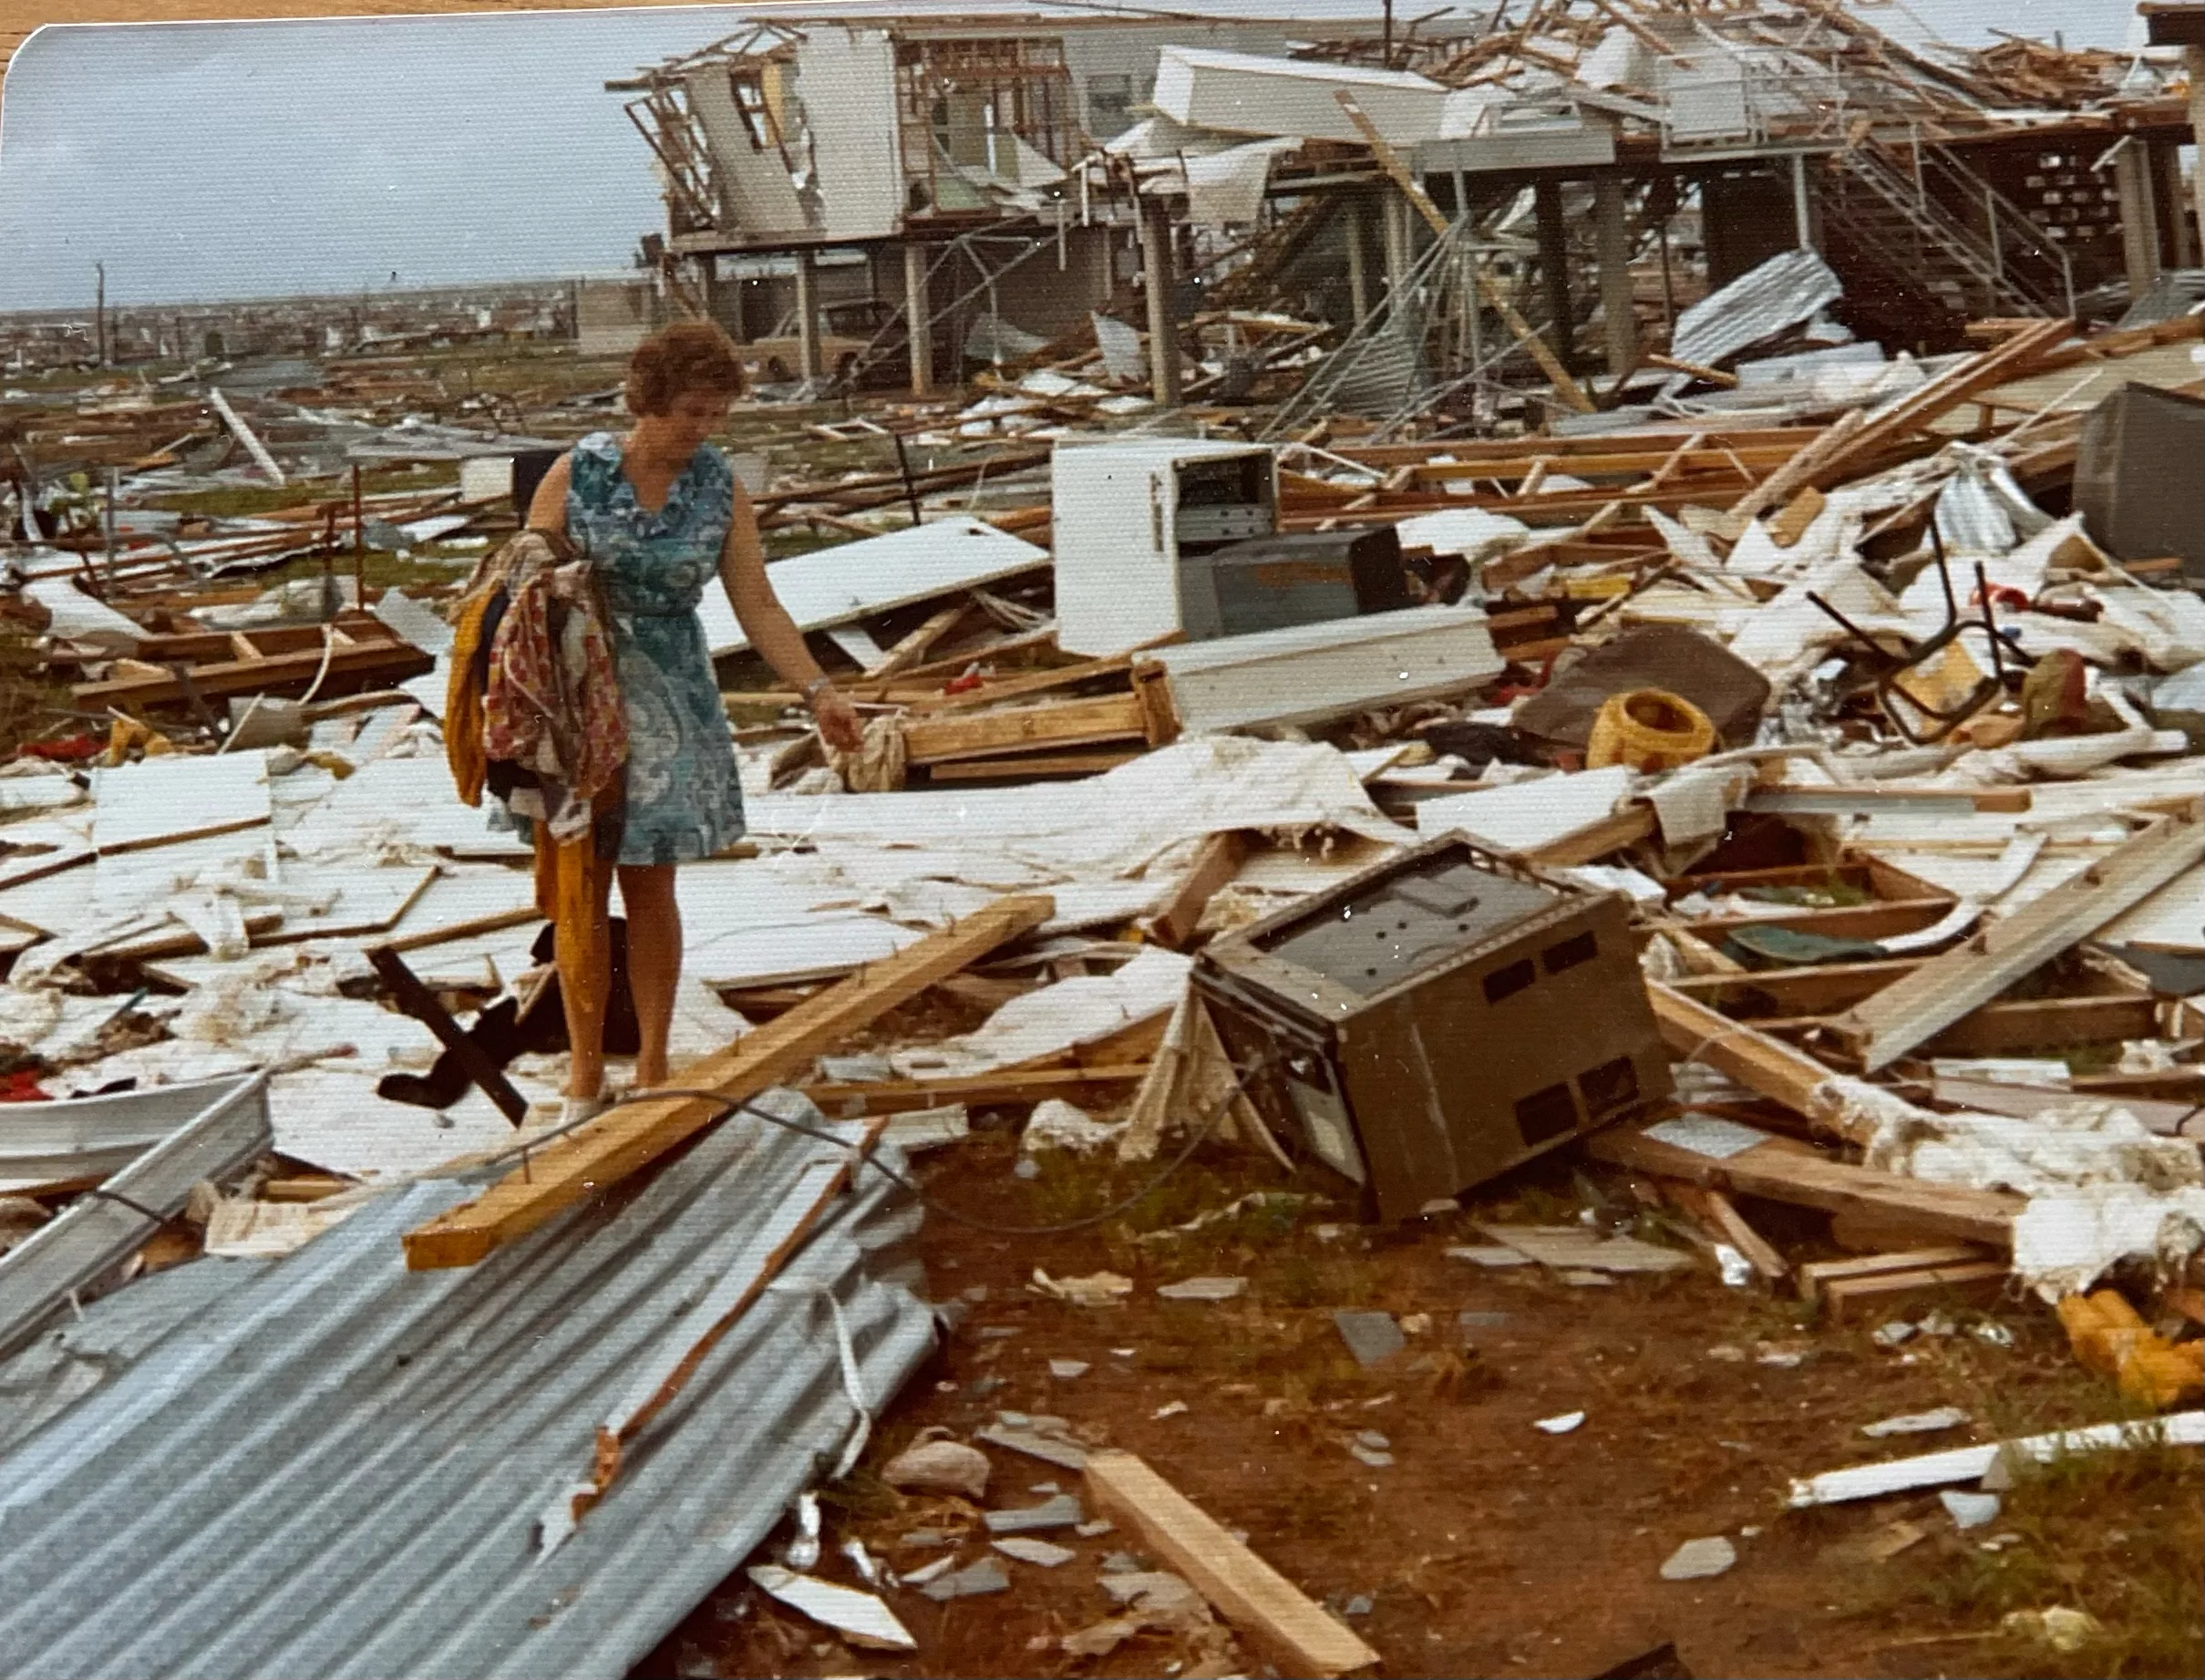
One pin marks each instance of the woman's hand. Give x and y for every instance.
(838, 720)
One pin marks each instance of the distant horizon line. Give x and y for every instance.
(341, 294)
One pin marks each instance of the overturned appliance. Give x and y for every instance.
(1437, 1018)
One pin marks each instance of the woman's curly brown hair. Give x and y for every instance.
(690, 355)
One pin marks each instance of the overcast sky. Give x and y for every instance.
(211, 160)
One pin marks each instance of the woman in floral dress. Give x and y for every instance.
(659, 511)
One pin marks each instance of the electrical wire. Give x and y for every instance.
(1198, 1134)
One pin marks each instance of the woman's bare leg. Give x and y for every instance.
(654, 963)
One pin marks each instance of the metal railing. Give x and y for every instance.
(2018, 265)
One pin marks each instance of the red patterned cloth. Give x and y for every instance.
(552, 704)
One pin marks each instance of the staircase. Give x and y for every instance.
(1935, 233)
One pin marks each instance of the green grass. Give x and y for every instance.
(2115, 1534)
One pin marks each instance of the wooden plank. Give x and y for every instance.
(596, 1156)
(849, 1097)
(1215, 865)
(1063, 723)
(997, 690)
(1024, 767)
(1814, 1180)
(381, 660)
(1755, 1060)
(1799, 991)
(1301, 1635)
(1815, 1274)
(1916, 1009)
(2019, 355)
(1872, 921)
(1997, 1027)
(1620, 828)
(1848, 1297)
(913, 648)
(1731, 1225)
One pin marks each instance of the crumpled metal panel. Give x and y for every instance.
(1782, 292)
(336, 1468)
(106, 1225)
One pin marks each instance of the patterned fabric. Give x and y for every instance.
(684, 799)
(551, 703)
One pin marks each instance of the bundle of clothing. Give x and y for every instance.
(532, 711)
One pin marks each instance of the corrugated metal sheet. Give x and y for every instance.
(228, 1127)
(336, 1467)
(1782, 292)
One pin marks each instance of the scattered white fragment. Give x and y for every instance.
(1490, 1254)
(1172, 1411)
(1204, 1289)
(1892, 1334)
(1096, 1289)
(1738, 1270)
(927, 1571)
(1697, 1560)
(1868, 1482)
(859, 1617)
(1970, 1511)
(1067, 1369)
(1562, 1424)
(1916, 1423)
(2059, 1626)
(1042, 1553)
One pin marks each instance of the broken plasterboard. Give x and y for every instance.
(876, 574)
(1056, 1019)
(177, 798)
(1524, 816)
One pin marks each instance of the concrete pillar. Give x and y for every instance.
(1613, 230)
(1554, 270)
(1802, 205)
(916, 313)
(808, 315)
(2140, 226)
(2181, 250)
(1358, 273)
(1158, 281)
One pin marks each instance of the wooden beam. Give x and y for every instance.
(913, 648)
(850, 1097)
(1913, 1010)
(1023, 729)
(1300, 1633)
(1847, 1297)
(1755, 1060)
(1215, 865)
(1390, 161)
(1816, 1273)
(598, 1155)
(1723, 1220)
(1812, 1180)
(2019, 355)
(999, 689)
(1025, 766)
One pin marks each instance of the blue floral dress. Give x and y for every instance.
(685, 798)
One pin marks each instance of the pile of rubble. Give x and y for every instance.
(1774, 788)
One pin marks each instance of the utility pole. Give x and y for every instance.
(100, 313)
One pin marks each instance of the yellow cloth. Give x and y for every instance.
(463, 702)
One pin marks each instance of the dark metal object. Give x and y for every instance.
(1437, 1019)
(2139, 476)
(1894, 666)
(420, 1003)
(1303, 578)
(1666, 656)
